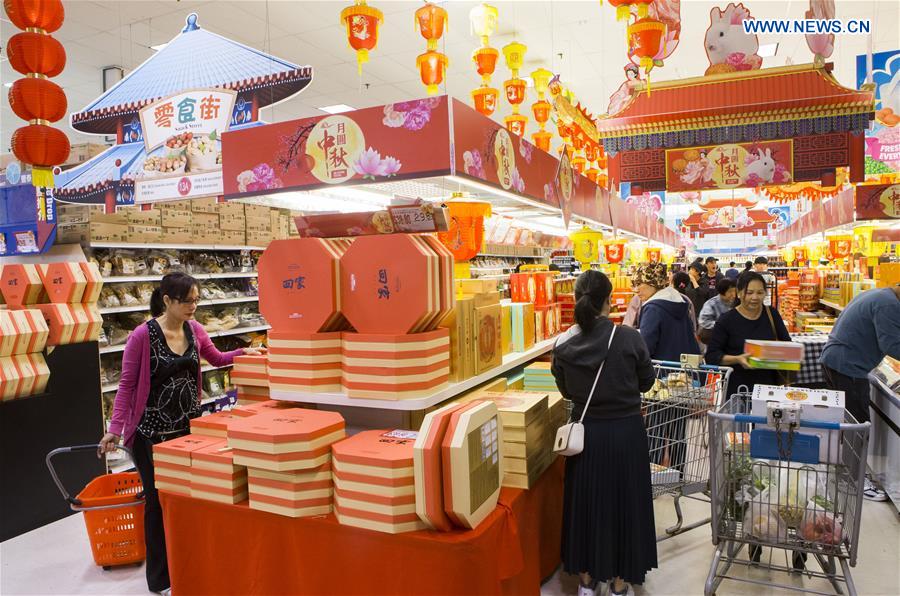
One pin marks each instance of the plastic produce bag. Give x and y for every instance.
(762, 521)
(821, 526)
(796, 486)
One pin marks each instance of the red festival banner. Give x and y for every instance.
(739, 165)
(823, 216)
(878, 201)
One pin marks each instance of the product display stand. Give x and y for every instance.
(68, 413)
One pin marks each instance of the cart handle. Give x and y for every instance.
(746, 418)
(708, 367)
(74, 503)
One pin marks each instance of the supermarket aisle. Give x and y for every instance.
(56, 559)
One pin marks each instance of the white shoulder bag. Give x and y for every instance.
(570, 437)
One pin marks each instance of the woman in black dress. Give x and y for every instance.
(608, 525)
(751, 319)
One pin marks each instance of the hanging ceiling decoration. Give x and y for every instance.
(514, 53)
(483, 21)
(542, 108)
(362, 24)
(432, 22)
(35, 98)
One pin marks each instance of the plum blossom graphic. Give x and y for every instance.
(550, 194)
(370, 165)
(261, 177)
(473, 164)
(525, 150)
(516, 181)
(411, 115)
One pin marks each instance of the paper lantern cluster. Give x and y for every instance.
(432, 22)
(483, 20)
(38, 56)
(542, 108)
(362, 22)
(514, 53)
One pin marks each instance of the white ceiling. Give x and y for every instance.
(580, 40)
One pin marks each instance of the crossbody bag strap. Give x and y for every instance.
(771, 322)
(597, 378)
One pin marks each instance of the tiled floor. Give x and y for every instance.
(56, 559)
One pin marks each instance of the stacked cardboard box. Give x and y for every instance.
(305, 362)
(460, 325)
(172, 461)
(523, 325)
(566, 311)
(527, 436)
(23, 371)
(215, 476)
(539, 378)
(290, 447)
(374, 481)
(232, 223)
(216, 424)
(258, 225)
(779, 355)
(72, 290)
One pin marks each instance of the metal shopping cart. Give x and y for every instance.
(113, 506)
(794, 508)
(674, 412)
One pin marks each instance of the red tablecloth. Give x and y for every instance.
(232, 549)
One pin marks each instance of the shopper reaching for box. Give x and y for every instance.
(159, 392)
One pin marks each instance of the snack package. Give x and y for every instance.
(108, 298)
(125, 293)
(144, 291)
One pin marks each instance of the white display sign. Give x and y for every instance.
(151, 190)
(197, 111)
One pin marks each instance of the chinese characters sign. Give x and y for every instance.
(199, 111)
(335, 144)
(878, 201)
(742, 165)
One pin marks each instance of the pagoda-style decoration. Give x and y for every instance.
(483, 21)
(542, 108)
(514, 53)
(431, 21)
(362, 22)
(786, 125)
(169, 87)
(729, 216)
(36, 99)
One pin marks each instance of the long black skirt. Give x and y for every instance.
(608, 525)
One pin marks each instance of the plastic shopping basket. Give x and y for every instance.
(113, 507)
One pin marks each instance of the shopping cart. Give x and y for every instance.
(113, 506)
(797, 509)
(674, 412)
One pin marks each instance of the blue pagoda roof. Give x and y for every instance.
(195, 58)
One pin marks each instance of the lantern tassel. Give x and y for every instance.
(643, 10)
(362, 56)
(42, 177)
(623, 12)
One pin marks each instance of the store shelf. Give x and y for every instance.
(510, 361)
(205, 368)
(235, 331)
(140, 307)
(139, 278)
(483, 254)
(175, 246)
(830, 304)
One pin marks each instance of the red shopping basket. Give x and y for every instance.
(113, 507)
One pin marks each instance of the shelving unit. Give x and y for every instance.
(127, 245)
(830, 304)
(205, 368)
(140, 278)
(510, 361)
(141, 307)
(483, 254)
(235, 331)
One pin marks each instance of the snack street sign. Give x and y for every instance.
(198, 111)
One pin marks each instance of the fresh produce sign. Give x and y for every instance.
(196, 113)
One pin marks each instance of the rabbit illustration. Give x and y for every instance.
(764, 167)
(726, 38)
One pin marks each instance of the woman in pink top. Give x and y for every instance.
(159, 393)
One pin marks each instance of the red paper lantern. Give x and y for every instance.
(578, 163)
(653, 255)
(541, 110)
(485, 60)
(37, 14)
(515, 91)
(431, 67)
(591, 151)
(578, 138)
(840, 249)
(37, 99)
(592, 174)
(40, 145)
(362, 23)
(645, 38)
(432, 21)
(565, 131)
(515, 123)
(35, 52)
(615, 252)
(542, 140)
(485, 99)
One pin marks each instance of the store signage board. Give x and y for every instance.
(738, 165)
(882, 144)
(822, 217)
(878, 201)
(399, 219)
(197, 111)
(152, 190)
(27, 214)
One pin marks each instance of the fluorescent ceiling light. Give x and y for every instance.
(768, 50)
(158, 46)
(338, 108)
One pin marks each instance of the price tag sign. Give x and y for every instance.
(413, 218)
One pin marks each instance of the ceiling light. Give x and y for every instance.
(338, 108)
(158, 46)
(7, 84)
(768, 50)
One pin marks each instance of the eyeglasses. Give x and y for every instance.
(195, 301)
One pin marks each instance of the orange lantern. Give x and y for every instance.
(485, 99)
(515, 91)
(840, 247)
(592, 174)
(40, 145)
(623, 8)
(33, 52)
(591, 151)
(35, 14)
(565, 131)
(485, 60)
(578, 138)
(362, 23)
(542, 140)
(431, 67)
(516, 124)
(645, 38)
(800, 255)
(37, 99)
(615, 251)
(653, 255)
(432, 21)
(466, 228)
(578, 163)
(541, 110)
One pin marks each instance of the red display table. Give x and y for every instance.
(232, 549)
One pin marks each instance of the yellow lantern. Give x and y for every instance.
(514, 53)
(541, 78)
(483, 20)
(586, 243)
(862, 242)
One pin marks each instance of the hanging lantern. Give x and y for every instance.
(591, 151)
(615, 251)
(578, 138)
(431, 67)
(801, 255)
(485, 60)
(483, 22)
(516, 123)
(591, 174)
(514, 53)
(586, 245)
(623, 8)
(34, 98)
(41, 146)
(362, 24)
(654, 255)
(35, 14)
(542, 139)
(841, 246)
(541, 110)
(515, 91)
(34, 52)
(485, 99)
(541, 78)
(565, 131)
(643, 8)
(465, 235)
(578, 163)
(645, 39)
(432, 22)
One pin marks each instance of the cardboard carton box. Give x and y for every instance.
(107, 232)
(144, 233)
(178, 236)
(205, 205)
(232, 208)
(74, 214)
(256, 211)
(231, 222)
(83, 152)
(204, 220)
(258, 224)
(175, 218)
(76, 233)
(488, 345)
(138, 217)
(118, 217)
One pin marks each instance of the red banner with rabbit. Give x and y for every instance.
(738, 165)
